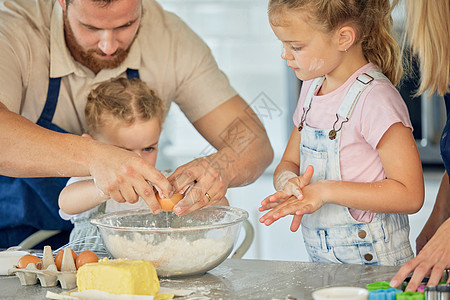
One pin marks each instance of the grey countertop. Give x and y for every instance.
(245, 279)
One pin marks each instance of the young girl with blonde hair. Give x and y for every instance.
(351, 171)
(125, 113)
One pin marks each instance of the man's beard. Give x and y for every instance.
(88, 58)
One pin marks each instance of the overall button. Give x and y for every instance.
(368, 257)
(362, 234)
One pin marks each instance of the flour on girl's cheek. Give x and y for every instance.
(316, 64)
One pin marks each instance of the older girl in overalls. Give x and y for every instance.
(351, 171)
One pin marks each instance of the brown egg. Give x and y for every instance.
(168, 203)
(87, 256)
(59, 257)
(29, 259)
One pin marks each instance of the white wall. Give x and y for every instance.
(240, 38)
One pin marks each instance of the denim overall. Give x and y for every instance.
(331, 234)
(31, 204)
(86, 236)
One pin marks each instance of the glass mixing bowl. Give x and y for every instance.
(176, 245)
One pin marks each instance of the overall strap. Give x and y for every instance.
(102, 208)
(312, 89)
(355, 91)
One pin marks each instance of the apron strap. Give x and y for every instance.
(132, 73)
(54, 86)
(48, 112)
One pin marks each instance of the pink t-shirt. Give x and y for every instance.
(378, 108)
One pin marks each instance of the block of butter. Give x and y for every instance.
(119, 276)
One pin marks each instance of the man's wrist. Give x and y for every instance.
(222, 163)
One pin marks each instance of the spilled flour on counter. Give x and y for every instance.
(166, 255)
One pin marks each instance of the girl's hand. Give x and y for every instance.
(284, 201)
(311, 203)
(268, 218)
(294, 187)
(274, 200)
(285, 181)
(290, 187)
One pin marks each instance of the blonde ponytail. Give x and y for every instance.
(428, 34)
(377, 41)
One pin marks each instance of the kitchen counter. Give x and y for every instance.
(245, 279)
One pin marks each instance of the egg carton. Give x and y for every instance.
(48, 275)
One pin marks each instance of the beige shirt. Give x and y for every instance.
(170, 58)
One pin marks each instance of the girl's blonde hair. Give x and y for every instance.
(371, 20)
(124, 99)
(428, 34)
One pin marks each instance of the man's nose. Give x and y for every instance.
(108, 43)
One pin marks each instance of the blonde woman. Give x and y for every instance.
(428, 34)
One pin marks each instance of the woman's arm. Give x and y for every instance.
(80, 196)
(432, 245)
(440, 213)
(432, 261)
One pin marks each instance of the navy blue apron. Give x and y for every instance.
(31, 204)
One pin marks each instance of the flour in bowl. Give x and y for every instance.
(173, 255)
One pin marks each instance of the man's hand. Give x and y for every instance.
(124, 176)
(201, 182)
(39, 152)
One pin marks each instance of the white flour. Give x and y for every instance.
(198, 255)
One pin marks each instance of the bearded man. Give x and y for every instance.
(53, 53)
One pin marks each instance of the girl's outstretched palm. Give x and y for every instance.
(282, 203)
